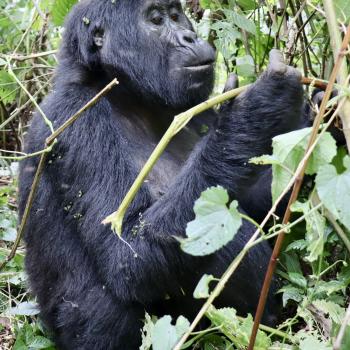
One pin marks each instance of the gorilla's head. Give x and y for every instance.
(149, 45)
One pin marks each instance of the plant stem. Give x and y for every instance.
(26, 210)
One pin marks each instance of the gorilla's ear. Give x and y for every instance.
(98, 37)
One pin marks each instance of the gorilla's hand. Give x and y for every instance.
(278, 67)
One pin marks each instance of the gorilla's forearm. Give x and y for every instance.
(272, 106)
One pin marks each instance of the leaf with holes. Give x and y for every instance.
(215, 224)
(202, 289)
(288, 151)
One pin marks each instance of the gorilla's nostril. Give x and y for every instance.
(188, 39)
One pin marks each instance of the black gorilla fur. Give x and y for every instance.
(92, 289)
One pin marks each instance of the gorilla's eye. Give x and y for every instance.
(157, 20)
(174, 17)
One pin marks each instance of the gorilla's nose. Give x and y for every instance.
(186, 37)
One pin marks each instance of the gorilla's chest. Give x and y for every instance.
(169, 164)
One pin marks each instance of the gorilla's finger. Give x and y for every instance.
(231, 82)
(277, 63)
(317, 98)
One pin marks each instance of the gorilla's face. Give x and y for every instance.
(153, 45)
(185, 63)
(149, 45)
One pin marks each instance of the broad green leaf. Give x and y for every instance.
(300, 244)
(240, 21)
(334, 191)
(247, 4)
(182, 325)
(205, 4)
(20, 345)
(165, 335)
(215, 224)
(289, 149)
(202, 289)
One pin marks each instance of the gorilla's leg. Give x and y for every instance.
(97, 321)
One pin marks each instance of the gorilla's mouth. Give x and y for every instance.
(195, 66)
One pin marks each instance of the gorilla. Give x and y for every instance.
(93, 290)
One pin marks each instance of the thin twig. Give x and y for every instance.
(28, 57)
(278, 245)
(26, 211)
(71, 120)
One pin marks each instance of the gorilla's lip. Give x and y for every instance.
(200, 65)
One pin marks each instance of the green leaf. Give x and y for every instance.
(40, 342)
(182, 325)
(300, 244)
(240, 21)
(311, 342)
(289, 149)
(215, 224)
(8, 87)
(60, 9)
(165, 335)
(205, 4)
(238, 331)
(245, 66)
(26, 308)
(342, 9)
(315, 230)
(291, 293)
(297, 279)
(202, 289)
(334, 191)
(333, 310)
(247, 4)
(146, 333)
